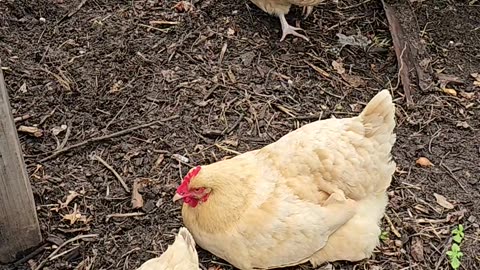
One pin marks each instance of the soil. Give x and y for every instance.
(107, 66)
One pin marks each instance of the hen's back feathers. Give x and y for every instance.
(181, 255)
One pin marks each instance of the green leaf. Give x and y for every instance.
(455, 263)
(455, 248)
(450, 254)
(457, 238)
(460, 227)
(459, 254)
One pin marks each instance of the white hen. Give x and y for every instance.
(181, 255)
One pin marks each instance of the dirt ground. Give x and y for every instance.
(223, 83)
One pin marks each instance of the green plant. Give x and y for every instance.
(458, 234)
(455, 254)
(384, 236)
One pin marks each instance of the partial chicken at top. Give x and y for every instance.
(281, 7)
(317, 194)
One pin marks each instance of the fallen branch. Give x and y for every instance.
(101, 138)
(72, 12)
(119, 178)
(52, 255)
(402, 51)
(124, 215)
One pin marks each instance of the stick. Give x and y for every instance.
(118, 215)
(120, 179)
(109, 136)
(454, 177)
(22, 118)
(402, 51)
(71, 13)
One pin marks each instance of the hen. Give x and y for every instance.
(281, 7)
(181, 255)
(317, 194)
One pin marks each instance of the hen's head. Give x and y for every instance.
(191, 193)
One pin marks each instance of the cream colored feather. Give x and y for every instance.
(181, 255)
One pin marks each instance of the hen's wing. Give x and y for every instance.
(352, 155)
(357, 239)
(181, 255)
(279, 229)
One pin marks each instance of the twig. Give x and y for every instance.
(22, 118)
(154, 28)
(136, 214)
(401, 46)
(71, 13)
(78, 237)
(63, 253)
(402, 67)
(40, 266)
(227, 149)
(109, 136)
(47, 116)
(454, 177)
(392, 227)
(67, 135)
(31, 255)
(228, 130)
(119, 178)
(444, 251)
(118, 113)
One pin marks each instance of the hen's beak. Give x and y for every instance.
(177, 197)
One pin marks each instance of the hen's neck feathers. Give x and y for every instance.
(231, 190)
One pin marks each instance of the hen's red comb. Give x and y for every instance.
(191, 174)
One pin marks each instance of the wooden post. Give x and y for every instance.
(19, 229)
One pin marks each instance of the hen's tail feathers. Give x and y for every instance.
(188, 239)
(378, 118)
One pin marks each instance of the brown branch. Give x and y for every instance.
(402, 51)
(109, 136)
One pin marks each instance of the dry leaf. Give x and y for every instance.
(159, 161)
(338, 66)
(180, 158)
(137, 199)
(442, 201)
(76, 216)
(417, 249)
(353, 40)
(356, 107)
(231, 76)
(450, 91)
(476, 76)
(456, 216)
(35, 131)
(71, 196)
(467, 95)
(354, 80)
(424, 162)
(231, 142)
(116, 87)
(230, 32)
(463, 124)
(58, 130)
(23, 88)
(183, 6)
